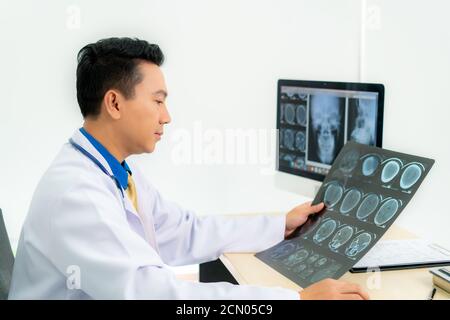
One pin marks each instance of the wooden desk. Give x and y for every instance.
(398, 284)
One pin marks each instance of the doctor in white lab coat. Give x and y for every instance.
(96, 229)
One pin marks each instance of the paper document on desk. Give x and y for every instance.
(364, 192)
(400, 254)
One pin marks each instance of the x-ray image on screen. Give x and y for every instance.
(326, 127)
(362, 120)
(364, 192)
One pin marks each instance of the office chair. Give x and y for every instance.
(6, 260)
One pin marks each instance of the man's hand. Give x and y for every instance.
(298, 216)
(330, 289)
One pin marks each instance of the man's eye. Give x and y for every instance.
(159, 102)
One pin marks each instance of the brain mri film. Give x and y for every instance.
(300, 141)
(410, 176)
(358, 244)
(325, 230)
(301, 115)
(326, 127)
(333, 194)
(390, 170)
(370, 165)
(327, 272)
(367, 206)
(364, 191)
(362, 120)
(350, 201)
(296, 257)
(387, 210)
(288, 139)
(349, 161)
(283, 250)
(341, 237)
(289, 113)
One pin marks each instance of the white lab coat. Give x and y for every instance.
(82, 240)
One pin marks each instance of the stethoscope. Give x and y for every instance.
(94, 160)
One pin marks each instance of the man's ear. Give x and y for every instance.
(112, 101)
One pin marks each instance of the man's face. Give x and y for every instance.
(144, 115)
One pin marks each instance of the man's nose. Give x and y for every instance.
(165, 116)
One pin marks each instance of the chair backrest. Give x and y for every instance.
(6, 260)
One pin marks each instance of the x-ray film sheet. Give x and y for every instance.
(364, 192)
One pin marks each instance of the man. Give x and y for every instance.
(97, 229)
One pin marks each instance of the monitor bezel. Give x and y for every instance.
(314, 84)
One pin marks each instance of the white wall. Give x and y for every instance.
(223, 60)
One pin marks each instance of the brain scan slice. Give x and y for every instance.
(358, 244)
(349, 161)
(410, 176)
(324, 231)
(288, 139)
(350, 201)
(313, 258)
(370, 165)
(296, 257)
(282, 250)
(321, 262)
(390, 171)
(300, 141)
(341, 237)
(301, 115)
(387, 210)
(299, 163)
(327, 272)
(333, 194)
(306, 273)
(289, 113)
(299, 268)
(367, 206)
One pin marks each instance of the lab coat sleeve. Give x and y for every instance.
(184, 238)
(88, 232)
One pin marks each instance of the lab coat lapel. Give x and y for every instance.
(147, 226)
(145, 221)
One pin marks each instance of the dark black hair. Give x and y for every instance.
(111, 63)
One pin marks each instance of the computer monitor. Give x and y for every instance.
(316, 118)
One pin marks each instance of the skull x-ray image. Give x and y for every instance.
(326, 127)
(362, 115)
(364, 192)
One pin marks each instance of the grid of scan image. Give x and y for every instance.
(315, 124)
(364, 192)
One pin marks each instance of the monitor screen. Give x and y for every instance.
(315, 119)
